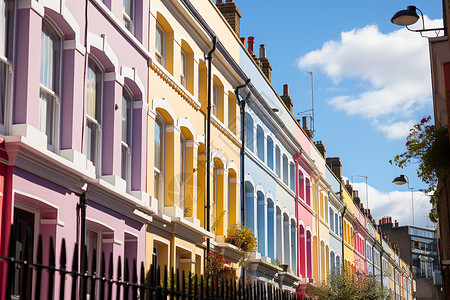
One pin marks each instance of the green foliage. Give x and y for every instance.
(242, 237)
(347, 285)
(216, 264)
(429, 147)
(217, 221)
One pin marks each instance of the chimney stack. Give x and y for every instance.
(251, 45)
(286, 98)
(231, 13)
(321, 147)
(266, 67)
(305, 127)
(335, 165)
(243, 40)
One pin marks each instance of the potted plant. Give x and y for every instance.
(242, 237)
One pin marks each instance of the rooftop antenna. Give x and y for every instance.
(311, 111)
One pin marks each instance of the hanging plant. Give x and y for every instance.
(242, 237)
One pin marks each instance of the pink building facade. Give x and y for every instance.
(74, 111)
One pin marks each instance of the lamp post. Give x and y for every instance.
(409, 16)
(401, 180)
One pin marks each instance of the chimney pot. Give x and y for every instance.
(262, 51)
(228, 1)
(304, 122)
(243, 40)
(285, 90)
(251, 45)
(218, 1)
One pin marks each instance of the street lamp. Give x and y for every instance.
(409, 17)
(401, 180)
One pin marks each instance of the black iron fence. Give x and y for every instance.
(88, 279)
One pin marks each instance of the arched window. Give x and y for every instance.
(249, 132)
(126, 135)
(302, 252)
(293, 248)
(301, 185)
(278, 160)
(285, 170)
(260, 143)
(218, 99)
(309, 261)
(182, 169)
(261, 224)
(270, 152)
(308, 192)
(337, 226)
(250, 208)
(292, 176)
(160, 47)
(50, 80)
(187, 66)
(94, 92)
(159, 152)
(331, 212)
(271, 229)
(333, 262)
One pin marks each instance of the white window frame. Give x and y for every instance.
(98, 123)
(160, 121)
(126, 174)
(160, 55)
(183, 66)
(127, 19)
(55, 120)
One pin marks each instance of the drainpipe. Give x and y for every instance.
(208, 146)
(82, 209)
(242, 150)
(342, 232)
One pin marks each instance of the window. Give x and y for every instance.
(270, 152)
(126, 135)
(182, 169)
(183, 68)
(260, 143)
(94, 84)
(49, 83)
(278, 161)
(159, 161)
(128, 14)
(6, 53)
(160, 45)
(215, 100)
(285, 170)
(331, 219)
(249, 132)
(292, 176)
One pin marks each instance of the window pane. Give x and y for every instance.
(214, 100)
(157, 146)
(91, 141)
(50, 52)
(93, 91)
(46, 115)
(125, 162)
(126, 103)
(6, 28)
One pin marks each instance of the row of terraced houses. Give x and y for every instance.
(104, 104)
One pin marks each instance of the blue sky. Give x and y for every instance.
(371, 83)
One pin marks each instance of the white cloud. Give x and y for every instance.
(392, 70)
(396, 204)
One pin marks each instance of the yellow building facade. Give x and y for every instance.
(176, 155)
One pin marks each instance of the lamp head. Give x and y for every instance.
(405, 17)
(400, 180)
